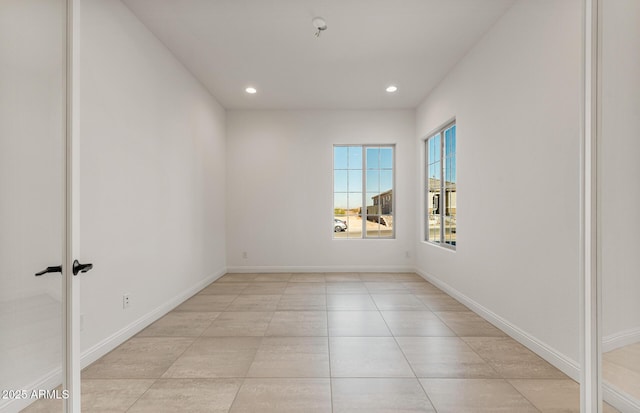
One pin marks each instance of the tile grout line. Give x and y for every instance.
(522, 394)
(370, 294)
(405, 356)
(244, 379)
(326, 312)
(155, 380)
(461, 338)
(140, 397)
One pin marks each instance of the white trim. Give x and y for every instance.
(103, 347)
(591, 311)
(363, 208)
(618, 399)
(620, 339)
(53, 378)
(49, 381)
(562, 362)
(302, 269)
(438, 245)
(71, 295)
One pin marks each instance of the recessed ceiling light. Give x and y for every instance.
(392, 89)
(251, 90)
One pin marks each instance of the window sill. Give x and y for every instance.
(437, 245)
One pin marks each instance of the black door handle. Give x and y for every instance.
(50, 269)
(77, 267)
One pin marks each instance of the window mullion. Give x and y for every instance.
(427, 227)
(363, 208)
(442, 188)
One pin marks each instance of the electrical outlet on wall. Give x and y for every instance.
(407, 254)
(126, 301)
(244, 254)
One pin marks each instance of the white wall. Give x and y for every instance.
(32, 102)
(152, 175)
(620, 169)
(516, 98)
(279, 190)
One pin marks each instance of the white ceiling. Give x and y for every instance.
(270, 44)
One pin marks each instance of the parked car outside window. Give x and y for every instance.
(339, 225)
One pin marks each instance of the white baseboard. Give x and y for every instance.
(48, 381)
(565, 364)
(54, 378)
(302, 269)
(621, 339)
(619, 400)
(100, 349)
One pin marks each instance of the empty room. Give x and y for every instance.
(319, 206)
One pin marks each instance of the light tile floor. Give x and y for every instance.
(621, 369)
(338, 342)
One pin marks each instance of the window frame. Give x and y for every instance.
(364, 212)
(442, 194)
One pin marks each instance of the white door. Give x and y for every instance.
(36, 338)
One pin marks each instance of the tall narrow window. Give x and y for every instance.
(363, 201)
(441, 191)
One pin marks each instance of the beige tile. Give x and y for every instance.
(357, 324)
(262, 288)
(138, 358)
(377, 276)
(403, 277)
(367, 357)
(346, 288)
(342, 277)
(316, 277)
(385, 288)
(255, 302)
(44, 406)
(206, 303)
(342, 302)
(416, 324)
(180, 324)
(469, 324)
(511, 359)
(236, 278)
(627, 356)
(225, 288)
(298, 323)
(441, 357)
(621, 377)
(283, 396)
(475, 396)
(272, 277)
(397, 302)
(239, 323)
(215, 357)
(188, 395)
(441, 302)
(112, 395)
(422, 287)
(297, 302)
(379, 395)
(305, 288)
(550, 396)
(291, 357)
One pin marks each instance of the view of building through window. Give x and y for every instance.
(440, 211)
(363, 203)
